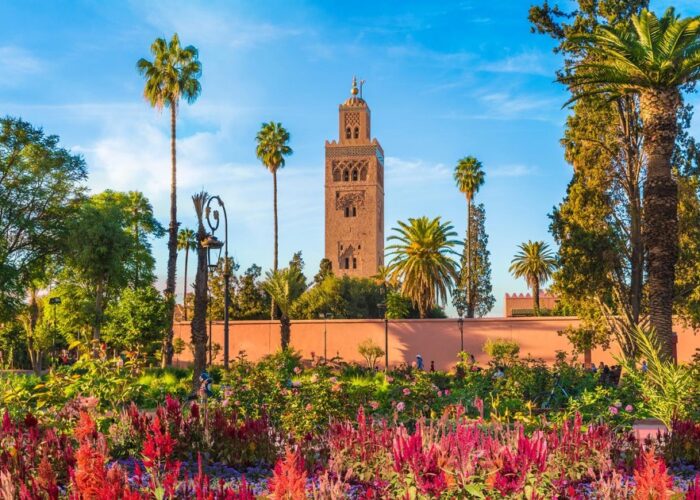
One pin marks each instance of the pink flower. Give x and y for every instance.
(374, 405)
(447, 392)
(335, 388)
(406, 391)
(297, 370)
(613, 410)
(629, 408)
(309, 407)
(296, 384)
(334, 380)
(401, 406)
(389, 379)
(439, 394)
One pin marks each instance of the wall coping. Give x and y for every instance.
(526, 319)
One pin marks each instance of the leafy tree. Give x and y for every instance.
(421, 259)
(39, 185)
(136, 322)
(217, 290)
(653, 58)
(325, 269)
(98, 249)
(285, 286)
(199, 318)
(371, 352)
(272, 148)
(688, 267)
(186, 242)
(172, 75)
(343, 297)
(140, 225)
(474, 295)
(536, 263)
(250, 300)
(469, 177)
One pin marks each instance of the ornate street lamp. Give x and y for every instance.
(213, 243)
(460, 322)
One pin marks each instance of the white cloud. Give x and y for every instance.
(529, 63)
(17, 63)
(401, 171)
(512, 170)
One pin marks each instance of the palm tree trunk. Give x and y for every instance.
(658, 110)
(184, 296)
(167, 350)
(275, 258)
(285, 331)
(199, 317)
(536, 296)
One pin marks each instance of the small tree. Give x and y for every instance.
(503, 351)
(285, 287)
(371, 352)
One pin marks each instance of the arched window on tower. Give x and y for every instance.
(346, 175)
(355, 175)
(357, 132)
(347, 133)
(336, 175)
(363, 174)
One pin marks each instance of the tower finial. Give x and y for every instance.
(354, 90)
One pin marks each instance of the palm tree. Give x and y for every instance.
(173, 74)
(421, 260)
(285, 287)
(535, 262)
(469, 177)
(273, 146)
(186, 241)
(199, 317)
(653, 58)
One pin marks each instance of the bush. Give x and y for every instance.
(371, 352)
(502, 351)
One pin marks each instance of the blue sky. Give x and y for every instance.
(444, 80)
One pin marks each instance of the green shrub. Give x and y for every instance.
(503, 351)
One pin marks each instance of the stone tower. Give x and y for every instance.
(355, 192)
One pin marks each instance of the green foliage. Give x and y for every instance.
(342, 297)
(480, 299)
(421, 260)
(272, 145)
(666, 386)
(136, 322)
(535, 263)
(285, 286)
(41, 182)
(371, 352)
(503, 351)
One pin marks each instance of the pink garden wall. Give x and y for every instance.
(434, 339)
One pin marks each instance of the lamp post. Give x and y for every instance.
(382, 309)
(326, 317)
(211, 243)
(227, 271)
(54, 301)
(460, 322)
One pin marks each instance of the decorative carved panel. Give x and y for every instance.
(352, 119)
(350, 199)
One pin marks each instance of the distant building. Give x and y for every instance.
(354, 192)
(518, 304)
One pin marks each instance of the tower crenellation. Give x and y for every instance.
(354, 192)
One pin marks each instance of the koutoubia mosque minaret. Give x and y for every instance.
(355, 192)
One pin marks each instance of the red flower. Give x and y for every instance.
(289, 477)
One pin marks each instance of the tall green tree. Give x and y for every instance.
(535, 263)
(40, 185)
(98, 248)
(199, 318)
(285, 286)
(475, 296)
(272, 149)
(185, 241)
(172, 75)
(421, 260)
(469, 177)
(652, 58)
